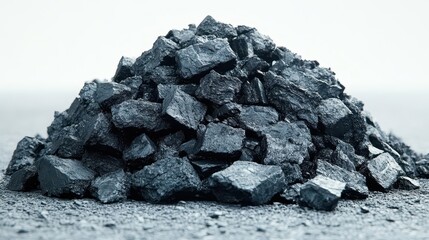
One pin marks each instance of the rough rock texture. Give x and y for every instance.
(63, 177)
(166, 180)
(321, 193)
(111, 187)
(224, 105)
(232, 185)
(382, 172)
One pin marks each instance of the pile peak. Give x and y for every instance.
(215, 112)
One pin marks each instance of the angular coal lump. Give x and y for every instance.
(232, 185)
(166, 180)
(64, 177)
(321, 193)
(184, 109)
(25, 153)
(202, 57)
(217, 112)
(222, 142)
(111, 187)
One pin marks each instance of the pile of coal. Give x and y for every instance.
(216, 112)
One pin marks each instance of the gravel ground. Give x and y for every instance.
(395, 215)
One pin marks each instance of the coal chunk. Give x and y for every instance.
(139, 151)
(162, 53)
(205, 167)
(25, 153)
(321, 193)
(256, 118)
(253, 92)
(286, 143)
(163, 75)
(183, 36)
(209, 26)
(139, 114)
(200, 58)
(101, 162)
(111, 187)
(291, 194)
(184, 109)
(64, 177)
(334, 116)
(250, 42)
(247, 183)
(407, 183)
(101, 135)
(166, 180)
(221, 141)
(165, 89)
(169, 145)
(293, 173)
(218, 89)
(124, 69)
(108, 94)
(382, 172)
(292, 101)
(25, 179)
(355, 182)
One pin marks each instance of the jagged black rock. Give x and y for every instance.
(216, 112)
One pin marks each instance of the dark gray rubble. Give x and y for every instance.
(216, 112)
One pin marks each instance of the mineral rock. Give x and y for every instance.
(111, 187)
(25, 153)
(63, 177)
(166, 180)
(321, 193)
(200, 58)
(233, 185)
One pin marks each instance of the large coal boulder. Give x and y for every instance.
(217, 111)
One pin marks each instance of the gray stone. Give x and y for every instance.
(101, 162)
(292, 173)
(221, 141)
(321, 193)
(200, 58)
(25, 179)
(25, 153)
(407, 183)
(253, 92)
(101, 135)
(139, 114)
(286, 143)
(251, 150)
(163, 75)
(139, 151)
(183, 36)
(292, 101)
(334, 116)
(166, 180)
(162, 53)
(257, 118)
(209, 26)
(227, 110)
(218, 89)
(124, 69)
(108, 94)
(134, 84)
(291, 194)
(382, 172)
(165, 89)
(355, 182)
(205, 168)
(422, 167)
(64, 177)
(188, 148)
(111, 187)
(247, 183)
(184, 109)
(251, 43)
(169, 145)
